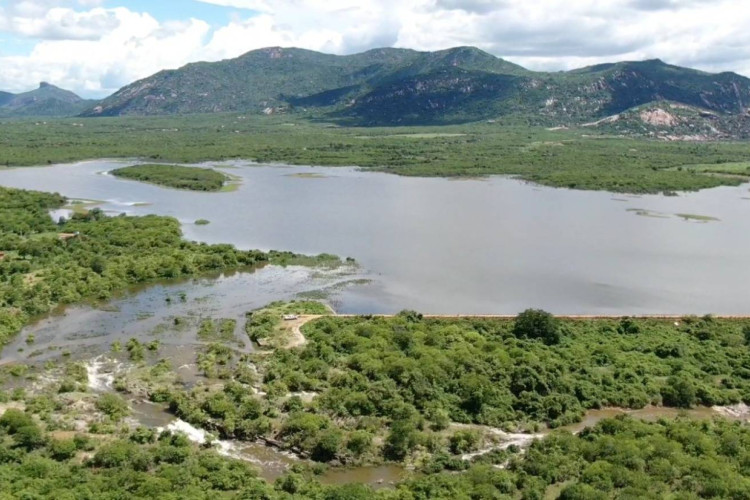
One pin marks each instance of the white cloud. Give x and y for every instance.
(335, 26)
(96, 50)
(563, 34)
(67, 24)
(136, 46)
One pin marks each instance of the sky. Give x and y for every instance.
(94, 47)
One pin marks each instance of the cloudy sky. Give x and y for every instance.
(96, 46)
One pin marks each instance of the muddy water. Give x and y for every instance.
(273, 463)
(650, 414)
(270, 462)
(376, 476)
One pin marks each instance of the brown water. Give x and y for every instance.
(649, 414)
(378, 476)
(270, 462)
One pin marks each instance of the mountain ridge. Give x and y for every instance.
(394, 86)
(45, 100)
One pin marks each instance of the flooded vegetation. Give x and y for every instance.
(241, 362)
(498, 246)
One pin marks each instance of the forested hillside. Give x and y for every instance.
(463, 84)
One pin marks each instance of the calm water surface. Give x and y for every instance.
(477, 246)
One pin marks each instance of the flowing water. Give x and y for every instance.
(270, 462)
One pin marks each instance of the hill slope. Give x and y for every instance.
(47, 100)
(399, 86)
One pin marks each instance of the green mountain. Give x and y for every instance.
(406, 87)
(5, 97)
(47, 100)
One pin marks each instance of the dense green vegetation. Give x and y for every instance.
(142, 464)
(175, 176)
(391, 388)
(566, 158)
(617, 458)
(492, 372)
(92, 256)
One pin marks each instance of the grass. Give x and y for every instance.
(221, 330)
(323, 260)
(82, 206)
(232, 183)
(698, 218)
(659, 215)
(578, 159)
(736, 168)
(647, 213)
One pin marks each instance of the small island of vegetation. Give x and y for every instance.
(175, 176)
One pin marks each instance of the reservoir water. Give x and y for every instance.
(495, 245)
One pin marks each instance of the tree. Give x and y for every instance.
(30, 437)
(113, 406)
(537, 324)
(679, 392)
(359, 442)
(579, 491)
(62, 449)
(328, 445)
(628, 326)
(14, 419)
(114, 454)
(463, 441)
(401, 439)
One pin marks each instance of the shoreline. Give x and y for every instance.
(559, 316)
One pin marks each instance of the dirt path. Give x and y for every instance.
(297, 339)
